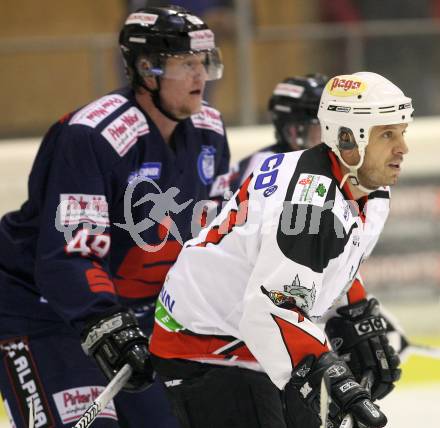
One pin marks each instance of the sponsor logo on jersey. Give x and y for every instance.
(125, 130)
(147, 170)
(220, 186)
(311, 189)
(164, 318)
(201, 39)
(72, 403)
(206, 164)
(346, 86)
(289, 90)
(76, 208)
(94, 113)
(25, 381)
(208, 118)
(166, 299)
(141, 19)
(269, 174)
(270, 191)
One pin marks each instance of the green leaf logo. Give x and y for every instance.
(321, 190)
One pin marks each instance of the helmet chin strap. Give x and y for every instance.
(155, 96)
(352, 173)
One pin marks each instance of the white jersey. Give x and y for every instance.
(251, 288)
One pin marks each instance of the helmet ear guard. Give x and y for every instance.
(346, 139)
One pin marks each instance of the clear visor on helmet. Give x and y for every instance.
(203, 64)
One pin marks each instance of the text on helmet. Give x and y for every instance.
(346, 87)
(141, 19)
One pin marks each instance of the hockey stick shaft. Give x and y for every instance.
(115, 385)
(31, 414)
(324, 403)
(423, 350)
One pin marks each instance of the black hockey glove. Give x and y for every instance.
(116, 340)
(302, 395)
(359, 337)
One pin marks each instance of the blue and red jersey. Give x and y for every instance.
(110, 204)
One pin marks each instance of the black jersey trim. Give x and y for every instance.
(320, 236)
(379, 194)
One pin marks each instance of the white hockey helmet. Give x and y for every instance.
(356, 103)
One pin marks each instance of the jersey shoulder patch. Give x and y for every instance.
(311, 189)
(94, 113)
(209, 118)
(123, 132)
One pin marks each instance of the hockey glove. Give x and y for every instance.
(359, 337)
(116, 340)
(302, 394)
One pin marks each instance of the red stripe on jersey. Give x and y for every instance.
(234, 217)
(142, 273)
(356, 292)
(337, 172)
(98, 280)
(298, 342)
(65, 117)
(132, 289)
(169, 344)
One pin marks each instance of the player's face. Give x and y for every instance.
(312, 136)
(183, 84)
(383, 156)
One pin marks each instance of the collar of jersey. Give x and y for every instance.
(337, 173)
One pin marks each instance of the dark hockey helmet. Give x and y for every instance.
(294, 106)
(155, 33)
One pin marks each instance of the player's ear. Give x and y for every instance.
(351, 156)
(144, 69)
(348, 146)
